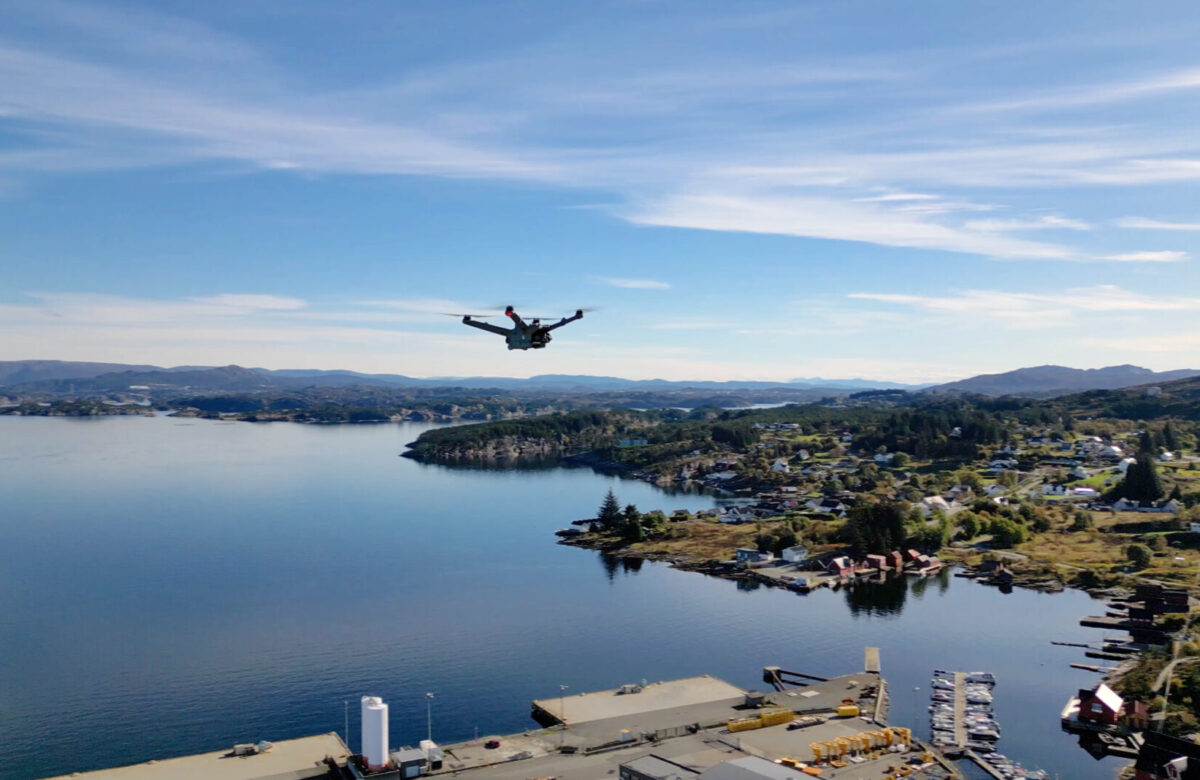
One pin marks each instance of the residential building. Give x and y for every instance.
(1102, 705)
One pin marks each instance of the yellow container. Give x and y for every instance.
(744, 724)
(775, 717)
(847, 711)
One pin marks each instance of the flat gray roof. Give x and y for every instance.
(752, 768)
(291, 759)
(658, 767)
(605, 705)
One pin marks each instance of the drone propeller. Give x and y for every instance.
(472, 316)
(558, 316)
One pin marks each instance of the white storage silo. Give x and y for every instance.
(374, 731)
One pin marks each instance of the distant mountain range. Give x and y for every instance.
(1048, 381)
(65, 377)
(54, 376)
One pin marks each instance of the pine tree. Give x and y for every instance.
(1170, 438)
(610, 511)
(1142, 482)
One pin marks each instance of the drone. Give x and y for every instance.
(522, 335)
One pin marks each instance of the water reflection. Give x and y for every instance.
(879, 596)
(614, 563)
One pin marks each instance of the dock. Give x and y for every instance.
(678, 728)
(871, 660)
(985, 766)
(697, 694)
(294, 759)
(960, 710)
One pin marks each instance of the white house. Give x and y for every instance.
(1124, 465)
(1079, 472)
(1085, 492)
(884, 458)
(797, 554)
(931, 504)
(780, 466)
(1054, 490)
(995, 490)
(1166, 457)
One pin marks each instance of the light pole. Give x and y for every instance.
(915, 710)
(429, 715)
(562, 712)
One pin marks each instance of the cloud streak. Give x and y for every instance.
(1026, 311)
(834, 219)
(634, 284)
(1164, 256)
(1141, 223)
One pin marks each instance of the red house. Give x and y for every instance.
(877, 562)
(1102, 705)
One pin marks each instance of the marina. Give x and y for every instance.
(964, 725)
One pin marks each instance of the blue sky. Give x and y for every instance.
(743, 190)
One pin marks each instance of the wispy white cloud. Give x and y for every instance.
(866, 144)
(834, 219)
(634, 284)
(248, 303)
(1022, 310)
(1142, 223)
(1184, 343)
(1164, 256)
(1173, 81)
(1047, 222)
(893, 197)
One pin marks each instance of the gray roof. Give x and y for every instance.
(653, 766)
(408, 755)
(752, 768)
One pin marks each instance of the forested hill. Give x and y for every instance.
(955, 429)
(550, 435)
(1179, 399)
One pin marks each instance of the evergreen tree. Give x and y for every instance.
(1170, 438)
(610, 512)
(1142, 482)
(1146, 442)
(876, 528)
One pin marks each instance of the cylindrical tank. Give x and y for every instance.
(374, 731)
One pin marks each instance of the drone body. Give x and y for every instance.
(522, 335)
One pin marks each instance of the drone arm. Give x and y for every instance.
(516, 318)
(565, 320)
(490, 328)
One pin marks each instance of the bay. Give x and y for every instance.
(171, 586)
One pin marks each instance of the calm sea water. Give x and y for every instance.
(173, 586)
